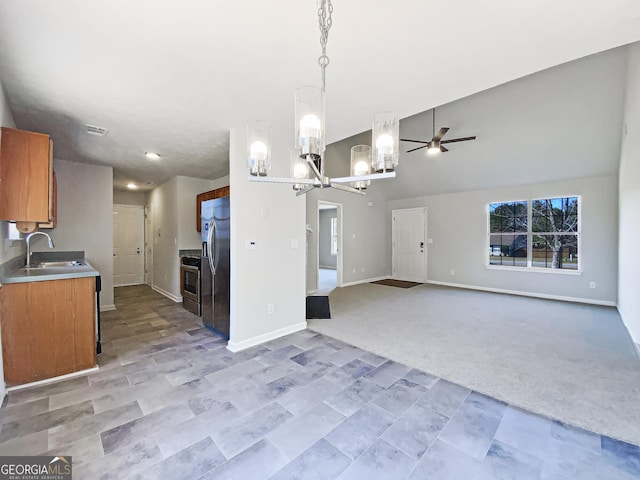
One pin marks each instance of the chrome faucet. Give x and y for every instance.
(28, 262)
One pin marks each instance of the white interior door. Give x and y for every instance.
(128, 245)
(409, 244)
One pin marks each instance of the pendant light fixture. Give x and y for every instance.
(306, 165)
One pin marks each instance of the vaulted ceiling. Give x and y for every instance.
(173, 77)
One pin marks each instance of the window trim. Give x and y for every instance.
(530, 234)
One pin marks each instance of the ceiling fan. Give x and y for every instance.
(436, 144)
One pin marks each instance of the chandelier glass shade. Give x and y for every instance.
(258, 148)
(360, 165)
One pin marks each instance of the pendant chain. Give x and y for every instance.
(325, 11)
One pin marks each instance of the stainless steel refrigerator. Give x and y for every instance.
(216, 266)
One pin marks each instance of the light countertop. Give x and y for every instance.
(12, 271)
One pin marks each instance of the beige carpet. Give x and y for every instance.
(571, 362)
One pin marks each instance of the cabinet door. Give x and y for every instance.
(48, 328)
(26, 171)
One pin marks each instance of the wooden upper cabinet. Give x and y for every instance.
(26, 176)
(210, 195)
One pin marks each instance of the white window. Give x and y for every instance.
(14, 233)
(539, 233)
(334, 236)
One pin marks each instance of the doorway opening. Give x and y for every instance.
(329, 247)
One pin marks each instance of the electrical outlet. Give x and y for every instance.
(592, 284)
(270, 308)
(452, 272)
(354, 270)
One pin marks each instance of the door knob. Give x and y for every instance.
(421, 244)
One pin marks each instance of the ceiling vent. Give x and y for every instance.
(93, 130)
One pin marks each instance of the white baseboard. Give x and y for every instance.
(107, 308)
(51, 380)
(173, 297)
(252, 342)
(365, 280)
(607, 303)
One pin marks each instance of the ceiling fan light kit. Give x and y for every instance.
(435, 145)
(306, 163)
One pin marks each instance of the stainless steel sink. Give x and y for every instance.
(41, 265)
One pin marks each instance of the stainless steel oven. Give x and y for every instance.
(190, 284)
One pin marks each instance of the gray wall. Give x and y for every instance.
(628, 259)
(457, 224)
(128, 197)
(558, 124)
(364, 228)
(85, 218)
(326, 259)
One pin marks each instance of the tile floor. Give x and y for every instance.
(171, 402)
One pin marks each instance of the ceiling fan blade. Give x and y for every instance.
(461, 139)
(415, 141)
(441, 133)
(418, 148)
(443, 149)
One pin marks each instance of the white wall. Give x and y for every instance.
(629, 258)
(173, 206)
(85, 218)
(166, 264)
(457, 223)
(274, 218)
(364, 227)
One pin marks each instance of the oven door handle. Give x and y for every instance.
(190, 268)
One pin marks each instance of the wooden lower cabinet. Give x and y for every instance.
(48, 328)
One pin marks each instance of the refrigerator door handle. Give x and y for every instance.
(216, 247)
(210, 239)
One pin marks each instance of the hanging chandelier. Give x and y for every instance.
(306, 164)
